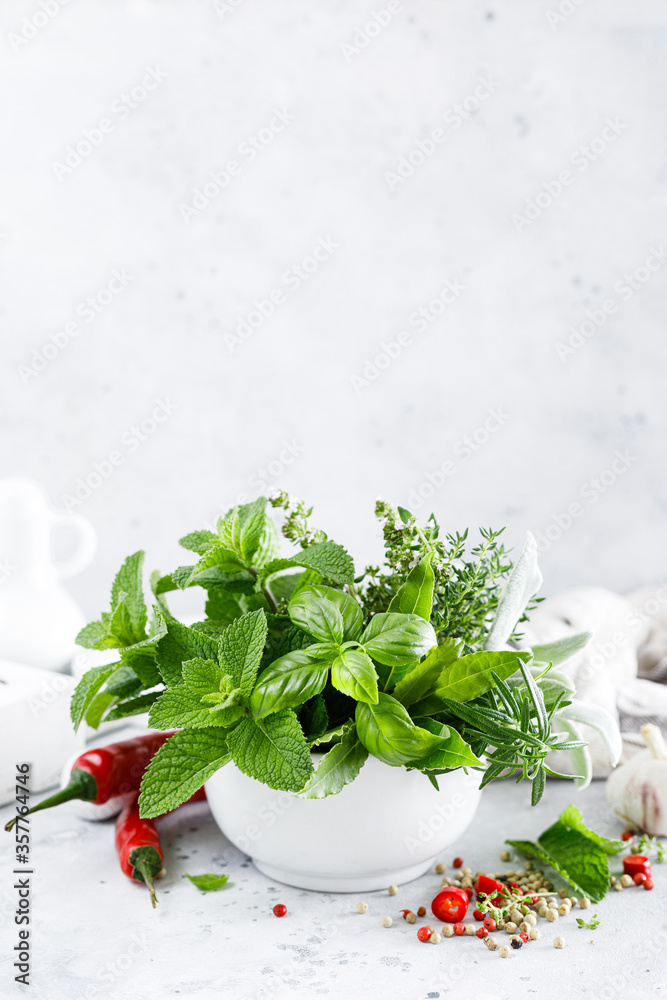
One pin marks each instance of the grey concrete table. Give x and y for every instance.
(94, 934)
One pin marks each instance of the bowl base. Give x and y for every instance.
(345, 883)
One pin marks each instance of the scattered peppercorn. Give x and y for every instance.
(421, 912)
(482, 932)
(504, 951)
(362, 907)
(639, 878)
(559, 942)
(440, 868)
(648, 883)
(504, 855)
(524, 937)
(584, 902)
(516, 943)
(471, 930)
(280, 910)
(436, 938)
(457, 863)
(534, 933)
(562, 893)
(478, 915)
(564, 909)
(627, 835)
(448, 930)
(411, 918)
(386, 921)
(510, 927)
(552, 914)
(424, 934)
(490, 924)
(491, 943)
(392, 890)
(459, 929)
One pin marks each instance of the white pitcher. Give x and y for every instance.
(38, 618)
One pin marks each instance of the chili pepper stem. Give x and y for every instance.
(82, 785)
(144, 870)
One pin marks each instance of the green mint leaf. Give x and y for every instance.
(288, 681)
(87, 688)
(202, 676)
(283, 585)
(337, 768)
(249, 528)
(388, 732)
(92, 635)
(317, 616)
(424, 675)
(181, 643)
(415, 596)
(179, 768)
(133, 706)
(272, 750)
(562, 649)
(100, 703)
(472, 675)
(241, 648)
(572, 819)
(269, 544)
(217, 558)
(222, 606)
(396, 640)
(353, 673)
(198, 541)
(589, 876)
(208, 883)
(328, 558)
(128, 587)
(180, 707)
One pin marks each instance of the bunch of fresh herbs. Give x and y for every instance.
(296, 653)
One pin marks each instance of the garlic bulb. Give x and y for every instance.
(637, 791)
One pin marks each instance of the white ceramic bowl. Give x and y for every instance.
(386, 827)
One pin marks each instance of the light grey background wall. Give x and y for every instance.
(499, 166)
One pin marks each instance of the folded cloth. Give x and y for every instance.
(605, 667)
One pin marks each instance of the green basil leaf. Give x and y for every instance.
(454, 751)
(353, 673)
(287, 682)
(337, 768)
(415, 596)
(421, 678)
(351, 613)
(396, 640)
(317, 616)
(388, 732)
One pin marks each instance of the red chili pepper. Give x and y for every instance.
(105, 772)
(490, 886)
(635, 863)
(450, 905)
(138, 846)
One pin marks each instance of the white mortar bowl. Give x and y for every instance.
(386, 827)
